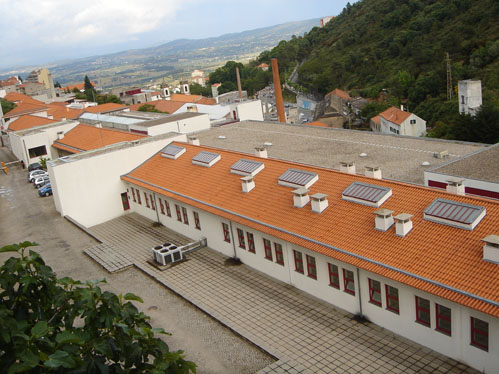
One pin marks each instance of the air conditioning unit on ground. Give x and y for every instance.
(167, 253)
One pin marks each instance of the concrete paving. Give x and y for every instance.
(304, 333)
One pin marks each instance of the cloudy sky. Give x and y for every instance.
(35, 32)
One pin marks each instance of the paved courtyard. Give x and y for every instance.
(304, 333)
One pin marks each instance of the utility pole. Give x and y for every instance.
(449, 77)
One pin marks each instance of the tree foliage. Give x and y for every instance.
(197, 89)
(149, 108)
(252, 78)
(50, 325)
(7, 106)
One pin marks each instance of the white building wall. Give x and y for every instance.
(418, 128)
(183, 126)
(470, 96)
(249, 110)
(491, 187)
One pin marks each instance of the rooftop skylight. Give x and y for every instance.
(298, 178)
(367, 194)
(172, 151)
(205, 158)
(454, 213)
(247, 167)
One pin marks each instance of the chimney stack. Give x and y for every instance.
(373, 172)
(300, 197)
(347, 167)
(491, 248)
(279, 103)
(60, 135)
(248, 183)
(455, 187)
(194, 140)
(319, 202)
(239, 83)
(383, 220)
(261, 152)
(403, 224)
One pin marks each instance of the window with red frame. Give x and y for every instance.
(225, 228)
(311, 267)
(240, 238)
(443, 319)
(334, 276)
(197, 223)
(168, 211)
(251, 242)
(138, 197)
(348, 282)
(186, 217)
(298, 261)
(133, 195)
(392, 299)
(374, 292)
(279, 256)
(423, 311)
(179, 213)
(161, 207)
(147, 200)
(267, 246)
(153, 205)
(480, 334)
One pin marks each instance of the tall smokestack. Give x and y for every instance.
(239, 83)
(277, 92)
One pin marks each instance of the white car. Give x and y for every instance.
(39, 181)
(36, 173)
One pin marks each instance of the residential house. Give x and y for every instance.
(263, 66)
(399, 122)
(470, 96)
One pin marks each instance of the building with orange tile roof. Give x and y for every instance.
(165, 106)
(192, 99)
(375, 123)
(106, 108)
(398, 122)
(263, 66)
(16, 98)
(24, 108)
(340, 93)
(28, 121)
(61, 113)
(79, 86)
(316, 124)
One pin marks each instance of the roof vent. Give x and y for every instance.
(373, 172)
(366, 194)
(248, 183)
(441, 154)
(455, 187)
(319, 202)
(453, 213)
(172, 151)
(403, 224)
(261, 152)
(60, 135)
(298, 178)
(491, 248)
(300, 197)
(206, 159)
(383, 220)
(247, 167)
(194, 140)
(347, 167)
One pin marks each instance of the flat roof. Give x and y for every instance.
(399, 157)
(481, 165)
(169, 118)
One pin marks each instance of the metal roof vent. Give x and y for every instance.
(366, 194)
(206, 159)
(261, 152)
(383, 220)
(373, 172)
(300, 197)
(403, 224)
(491, 248)
(319, 202)
(247, 167)
(347, 167)
(298, 178)
(454, 213)
(194, 140)
(455, 187)
(172, 151)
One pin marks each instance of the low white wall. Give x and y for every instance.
(468, 183)
(250, 110)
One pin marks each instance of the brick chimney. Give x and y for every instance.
(278, 92)
(403, 224)
(383, 220)
(300, 197)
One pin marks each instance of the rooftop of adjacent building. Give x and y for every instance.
(167, 106)
(29, 121)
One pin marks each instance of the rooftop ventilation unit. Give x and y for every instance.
(373, 172)
(319, 202)
(300, 197)
(247, 167)
(261, 152)
(172, 151)
(167, 253)
(366, 194)
(247, 183)
(298, 178)
(455, 187)
(453, 213)
(194, 140)
(491, 248)
(383, 220)
(206, 159)
(347, 167)
(403, 224)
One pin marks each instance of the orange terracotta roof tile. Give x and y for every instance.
(395, 115)
(60, 113)
(340, 93)
(28, 121)
(87, 137)
(16, 97)
(376, 120)
(105, 108)
(168, 106)
(25, 108)
(443, 260)
(316, 124)
(79, 86)
(206, 101)
(193, 99)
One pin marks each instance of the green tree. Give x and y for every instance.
(197, 89)
(57, 84)
(7, 106)
(50, 325)
(371, 110)
(90, 92)
(149, 108)
(103, 99)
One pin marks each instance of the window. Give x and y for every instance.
(334, 277)
(124, 200)
(298, 261)
(161, 207)
(423, 311)
(133, 195)
(392, 299)
(374, 292)
(138, 197)
(197, 223)
(311, 268)
(443, 319)
(279, 257)
(462, 99)
(225, 228)
(179, 214)
(37, 151)
(184, 213)
(268, 249)
(168, 211)
(147, 200)
(480, 334)
(153, 205)
(251, 242)
(348, 282)
(240, 237)
(413, 121)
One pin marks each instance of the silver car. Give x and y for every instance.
(36, 173)
(39, 181)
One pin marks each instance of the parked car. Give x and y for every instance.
(45, 190)
(41, 181)
(36, 173)
(34, 166)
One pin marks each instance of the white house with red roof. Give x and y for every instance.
(398, 122)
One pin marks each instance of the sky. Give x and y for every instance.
(37, 32)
